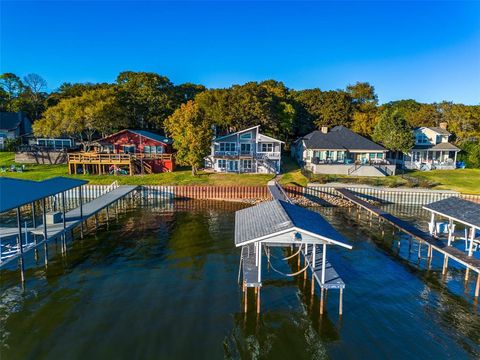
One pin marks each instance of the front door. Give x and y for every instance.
(232, 165)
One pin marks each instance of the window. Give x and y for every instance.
(246, 136)
(422, 139)
(146, 149)
(247, 164)
(222, 164)
(227, 146)
(266, 147)
(159, 149)
(246, 148)
(128, 149)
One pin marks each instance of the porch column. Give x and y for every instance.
(455, 158)
(431, 226)
(259, 262)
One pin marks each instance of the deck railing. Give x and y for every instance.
(110, 158)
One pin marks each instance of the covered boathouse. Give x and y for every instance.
(278, 223)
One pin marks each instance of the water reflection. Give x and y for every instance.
(162, 283)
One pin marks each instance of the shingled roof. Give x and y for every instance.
(339, 138)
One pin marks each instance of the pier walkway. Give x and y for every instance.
(470, 262)
(73, 218)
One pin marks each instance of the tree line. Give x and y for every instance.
(191, 113)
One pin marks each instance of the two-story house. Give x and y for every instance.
(245, 151)
(432, 149)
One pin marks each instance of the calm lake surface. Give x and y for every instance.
(161, 283)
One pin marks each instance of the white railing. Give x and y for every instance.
(226, 153)
(268, 155)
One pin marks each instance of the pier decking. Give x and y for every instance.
(470, 262)
(73, 219)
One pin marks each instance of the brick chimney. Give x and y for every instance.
(443, 125)
(324, 129)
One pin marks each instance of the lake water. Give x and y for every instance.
(161, 283)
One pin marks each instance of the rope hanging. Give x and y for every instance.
(291, 256)
(284, 274)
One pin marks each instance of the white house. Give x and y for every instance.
(431, 150)
(245, 151)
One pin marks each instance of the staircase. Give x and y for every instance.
(137, 167)
(266, 162)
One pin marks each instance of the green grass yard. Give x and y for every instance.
(465, 181)
(180, 176)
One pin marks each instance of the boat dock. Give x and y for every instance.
(280, 223)
(46, 232)
(433, 243)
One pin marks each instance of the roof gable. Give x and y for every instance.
(144, 133)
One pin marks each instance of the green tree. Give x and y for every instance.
(364, 102)
(82, 117)
(11, 88)
(192, 135)
(34, 96)
(393, 132)
(147, 98)
(327, 108)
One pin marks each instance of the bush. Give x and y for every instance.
(473, 157)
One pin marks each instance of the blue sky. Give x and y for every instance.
(429, 51)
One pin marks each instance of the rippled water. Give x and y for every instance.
(162, 283)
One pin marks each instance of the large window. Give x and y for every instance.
(227, 146)
(245, 148)
(422, 138)
(222, 164)
(266, 147)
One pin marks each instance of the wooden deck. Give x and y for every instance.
(249, 266)
(332, 279)
(420, 235)
(73, 219)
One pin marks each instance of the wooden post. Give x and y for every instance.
(322, 290)
(445, 264)
(340, 302)
(246, 298)
(477, 287)
(467, 272)
(472, 236)
(45, 235)
(20, 245)
(258, 301)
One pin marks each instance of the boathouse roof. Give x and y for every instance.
(455, 208)
(276, 217)
(16, 192)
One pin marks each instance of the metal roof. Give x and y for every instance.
(15, 192)
(463, 211)
(276, 217)
(340, 138)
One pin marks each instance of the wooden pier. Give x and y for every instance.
(433, 243)
(70, 220)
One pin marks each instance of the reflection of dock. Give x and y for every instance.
(44, 232)
(470, 262)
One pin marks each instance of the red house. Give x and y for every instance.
(154, 150)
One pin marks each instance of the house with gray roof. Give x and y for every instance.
(432, 150)
(341, 151)
(13, 125)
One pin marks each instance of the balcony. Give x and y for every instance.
(268, 155)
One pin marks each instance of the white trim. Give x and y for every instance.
(294, 228)
(236, 133)
(451, 217)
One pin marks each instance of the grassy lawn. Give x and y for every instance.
(465, 181)
(462, 180)
(178, 177)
